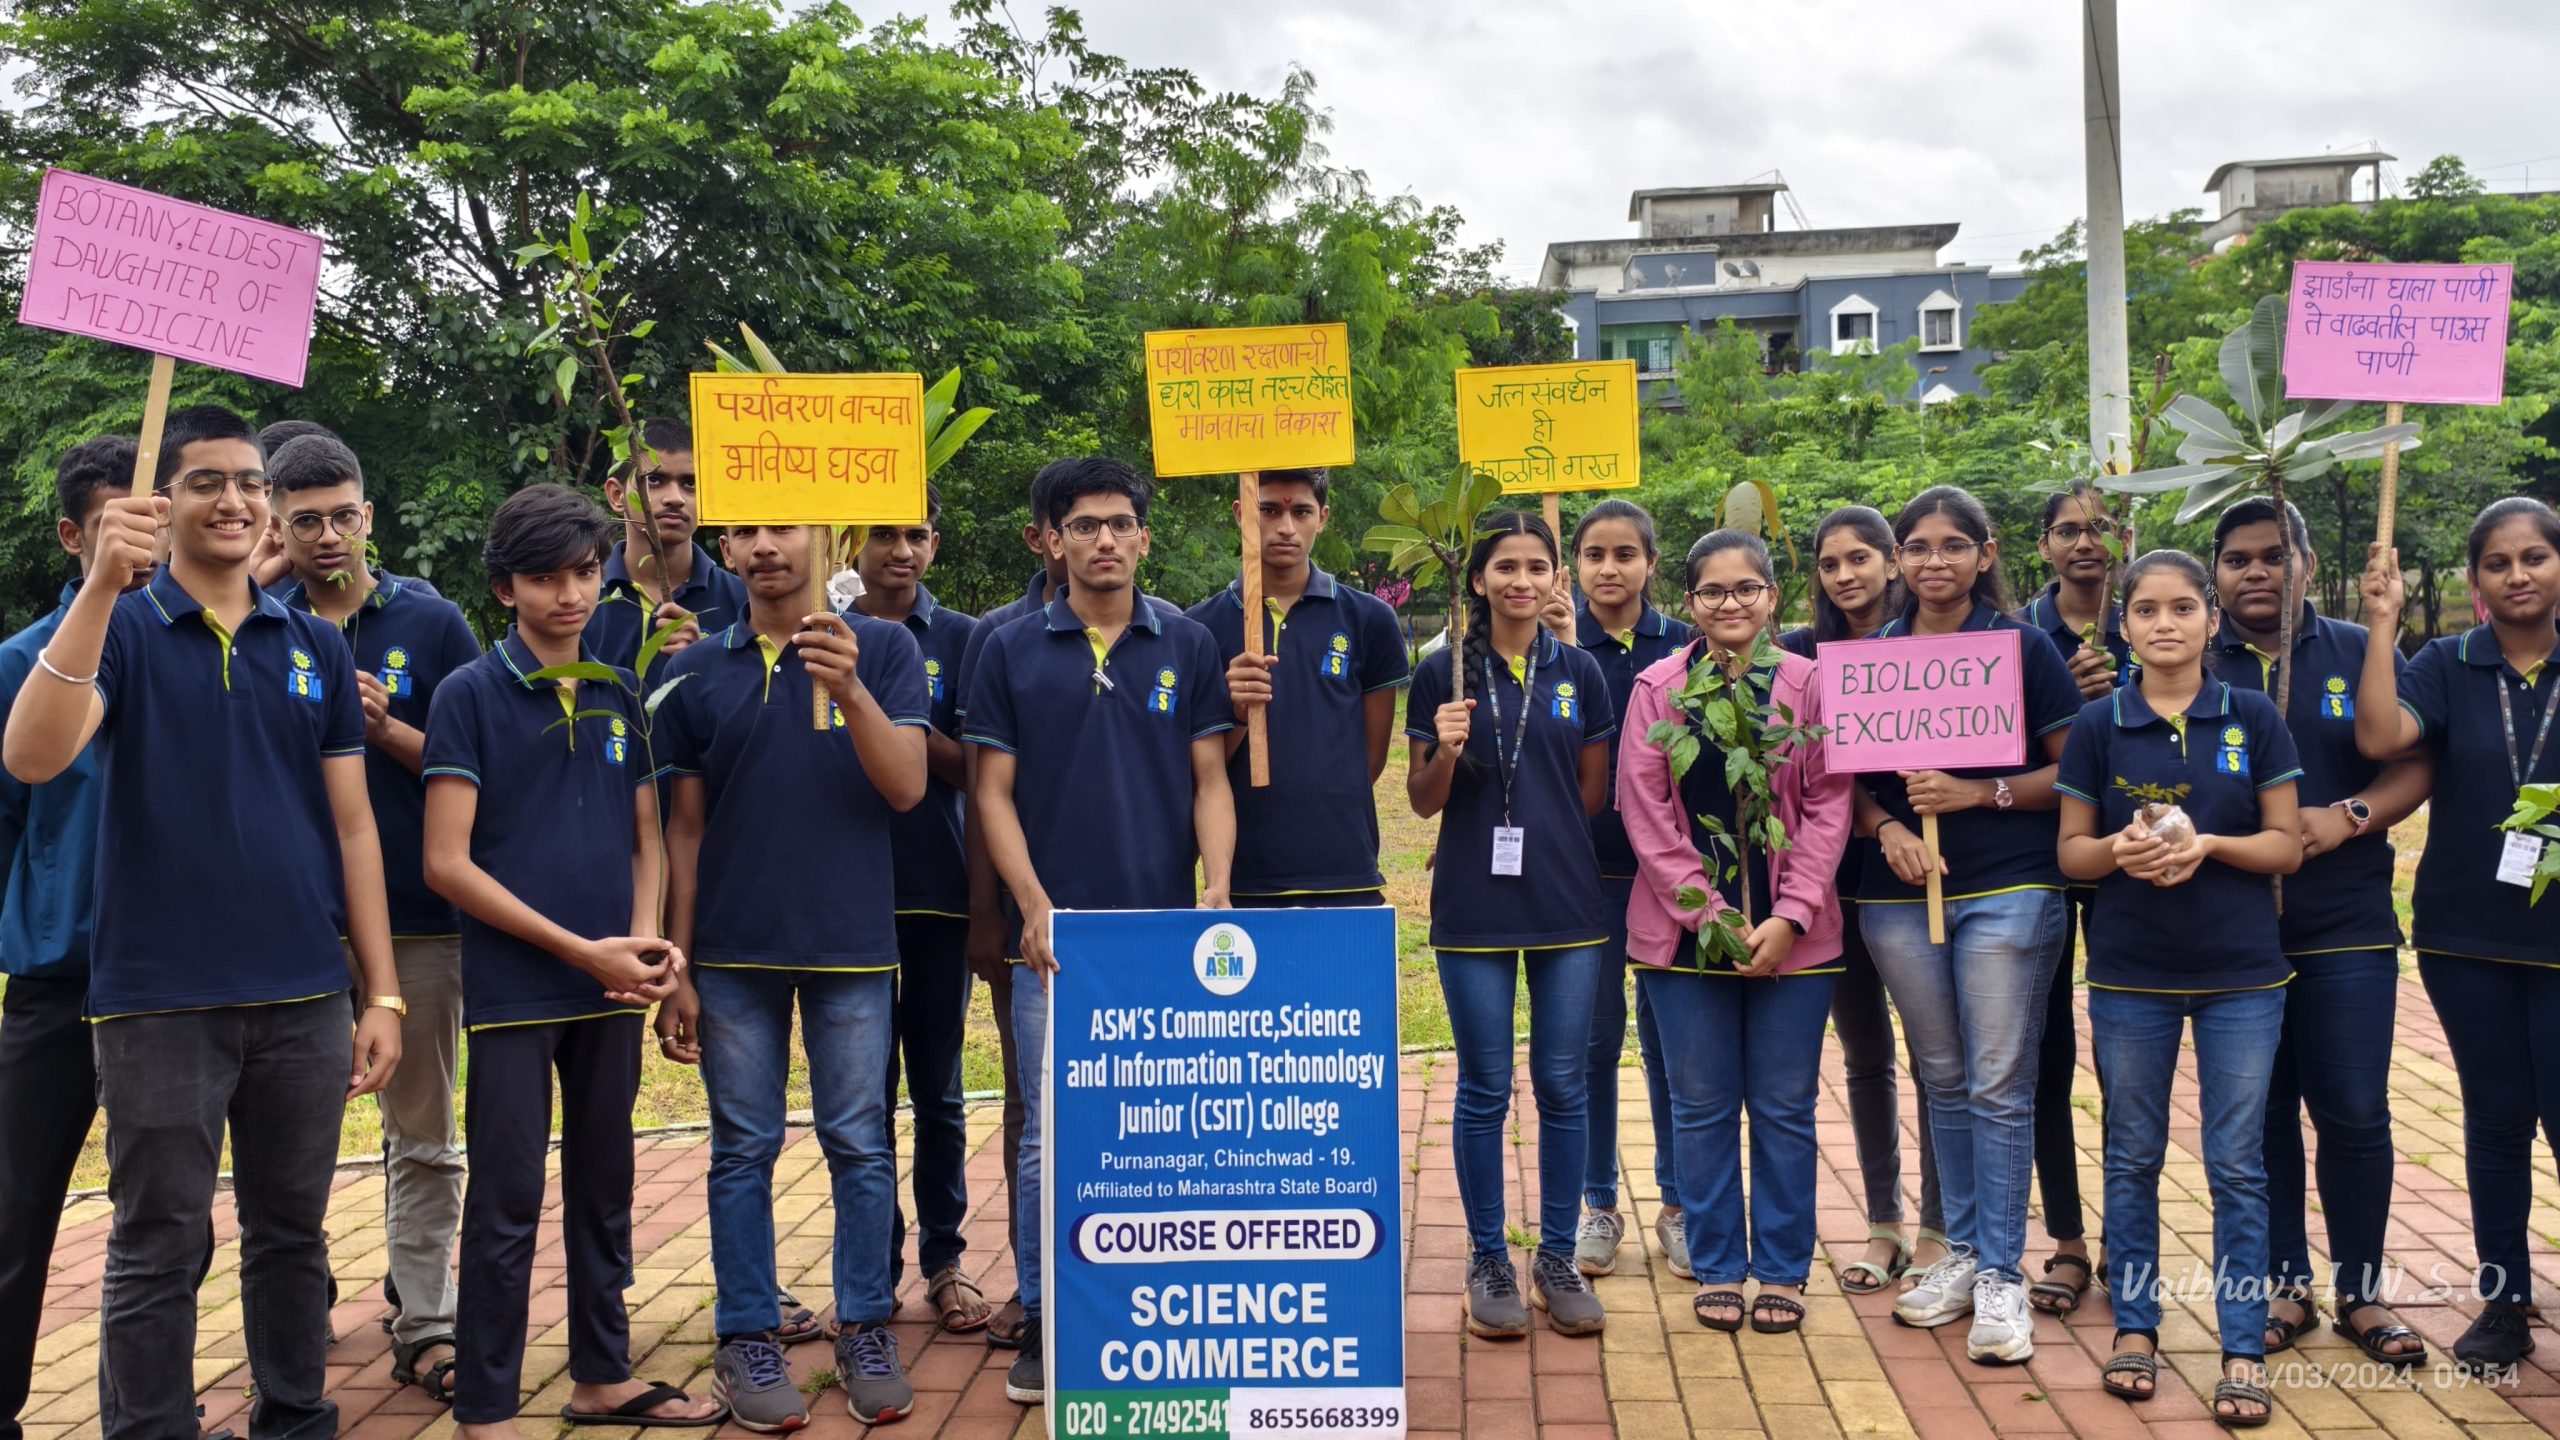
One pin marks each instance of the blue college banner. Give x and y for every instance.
(1224, 1240)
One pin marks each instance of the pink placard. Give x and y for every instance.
(1935, 702)
(139, 269)
(2420, 334)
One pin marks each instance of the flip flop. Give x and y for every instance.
(799, 1322)
(1720, 1300)
(635, 1412)
(954, 1297)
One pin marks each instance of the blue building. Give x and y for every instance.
(1709, 253)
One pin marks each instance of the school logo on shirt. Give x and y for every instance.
(1562, 707)
(2233, 756)
(395, 671)
(1223, 960)
(1160, 699)
(932, 682)
(2335, 702)
(1337, 656)
(617, 745)
(304, 681)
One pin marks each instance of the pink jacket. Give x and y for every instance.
(1813, 805)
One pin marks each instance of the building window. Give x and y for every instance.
(1854, 327)
(1940, 323)
(1657, 355)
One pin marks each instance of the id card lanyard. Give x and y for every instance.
(2522, 854)
(1508, 839)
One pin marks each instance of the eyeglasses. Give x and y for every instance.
(2072, 534)
(208, 484)
(1954, 552)
(346, 520)
(659, 480)
(1746, 594)
(1086, 527)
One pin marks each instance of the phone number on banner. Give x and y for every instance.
(1358, 1414)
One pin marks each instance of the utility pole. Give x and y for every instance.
(2110, 363)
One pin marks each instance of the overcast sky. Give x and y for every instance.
(1537, 117)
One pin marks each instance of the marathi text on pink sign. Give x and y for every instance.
(1936, 702)
(188, 281)
(2419, 334)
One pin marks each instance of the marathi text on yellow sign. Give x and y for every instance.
(809, 449)
(1544, 428)
(1224, 401)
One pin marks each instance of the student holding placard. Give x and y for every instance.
(1516, 770)
(2482, 703)
(1737, 1037)
(1857, 588)
(654, 495)
(1972, 1007)
(1609, 613)
(2178, 799)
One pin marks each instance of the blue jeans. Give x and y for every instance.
(1479, 988)
(1031, 1062)
(846, 1027)
(2335, 1058)
(2503, 1024)
(2135, 1036)
(1738, 1044)
(1973, 1014)
(1608, 1044)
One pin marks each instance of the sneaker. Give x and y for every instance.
(748, 1375)
(2004, 1327)
(1595, 1252)
(1671, 1232)
(1027, 1383)
(1557, 1287)
(1944, 1294)
(2495, 1341)
(875, 1384)
(1493, 1298)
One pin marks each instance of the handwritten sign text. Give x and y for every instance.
(1545, 428)
(809, 449)
(1224, 401)
(2423, 334)
(1936, 702)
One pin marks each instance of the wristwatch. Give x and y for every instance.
(2001, 799)
(392, 1003)
(2358, 811)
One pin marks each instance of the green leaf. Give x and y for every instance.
(2368, 444)
(1400, 507)
(641, 331)
(2195, 417)
(1690, 897)
(527, 254)
(577, 670)
(2212, 495)
(651, 644)
(2288, 430)
(658, 697)
(2158, 482)
(947, 441)
(937, 400)
(766, 360)
(565, 377)
(1391, 537)
(726, 362)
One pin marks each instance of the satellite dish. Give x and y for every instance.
(1733, 270)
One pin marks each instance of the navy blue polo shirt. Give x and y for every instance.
(2341, 900)
(1622, 657)
(933, 870)
(1103, 745)
(1314, 829)
(1555, 901)
(2044, 614)
(555, 825)
(215, 806)
(2217, 931)
(2460, 908)
(1988, 851)
(777, 791)
(1029, 602)
(410, 638)
(715, 598)
(50, 833)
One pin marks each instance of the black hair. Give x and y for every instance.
(276, 436)
(932, 506)
(2077, 489)
(2514, 507)
(1492, 528)
(1956, 504)
(2261, 510)
(543, 528)
(1090, 475)
(311, 461)
(1716, 542)
(1315, 478)
(2189, 568)
(1830, 622)
(195, 423)
(102, 462)
(659, 435)
(1614, 509)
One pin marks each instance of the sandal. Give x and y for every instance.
(2281, 1332)
(2236, 1393)
(958, 1302)
(1926, 1236)
(1789, 1312)
(2061, 1297)
(1719, 1300)
(634, 1412)
(438, 1381)
(799, 1322)
(1883, 1274)
(1010, 1324)
(2372, 1341)
(2125, 1367)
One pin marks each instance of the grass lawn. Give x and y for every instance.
(672, 1094)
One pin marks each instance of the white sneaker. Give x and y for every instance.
(2004, 1328)
(1944, 1294)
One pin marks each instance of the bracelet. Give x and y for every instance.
(45, 663)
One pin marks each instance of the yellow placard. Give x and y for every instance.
(809, 449)
(1544, 428)
(1225, 401)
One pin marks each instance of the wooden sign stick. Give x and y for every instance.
(2386, 510)
(155, 416)
(1257, 721)
(1937, 885)
(1555, 526)
(822, 554)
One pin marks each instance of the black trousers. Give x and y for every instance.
(2057, 1143)
(507, 1119)
(48, 1100)
(932, 1017)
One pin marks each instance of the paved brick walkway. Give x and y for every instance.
(1654, 1374)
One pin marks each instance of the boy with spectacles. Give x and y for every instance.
(406, 639)
(659, 574)
(232, 748)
